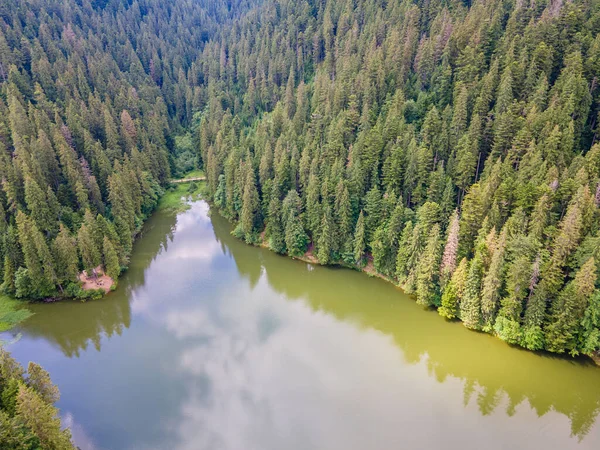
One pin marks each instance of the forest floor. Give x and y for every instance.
(100, 281)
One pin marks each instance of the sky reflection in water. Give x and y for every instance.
(211, 344)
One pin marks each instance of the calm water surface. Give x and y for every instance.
(212, 344)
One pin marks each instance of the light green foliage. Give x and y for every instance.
(470, 306)
(28, 418)
(454, 291)
(352, 129)
(12, 312)
(110, 259)
(360, 239)
(427, 287)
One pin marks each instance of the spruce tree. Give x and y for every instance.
(492, 283)
(275, 226)
(448, 264)
(110, 259)
(65, 255)
(360, 240)
(569, 310)
(454, 291)
(250, 205)
(326, 238)
(90, 254)
(470, 305)
(427, 276)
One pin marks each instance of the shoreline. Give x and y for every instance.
(370, 271)
(174, 200)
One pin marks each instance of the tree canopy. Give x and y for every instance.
(449, 146)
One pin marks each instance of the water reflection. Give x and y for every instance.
(209, 343)
(74, 326)
(492, 372)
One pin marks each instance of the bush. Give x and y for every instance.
(508, 330)
(90, 294)
(193, 187)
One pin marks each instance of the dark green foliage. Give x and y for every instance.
(360, 240)
(110, 259)
(427, 283)
(350, 129)
(296, 240)
(28, 418)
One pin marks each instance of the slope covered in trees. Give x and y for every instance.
(91, 96)
(28, 418)
(448, 145)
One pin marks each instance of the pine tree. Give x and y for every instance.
(326, 240)
(343, 217)
(39, 380)
(507, 325)
(43, 420)
(470, 305)
(313, 213)
(39, 207)
(427, 289)
(552, 277)
(403, 255)
(90, 254)
(250, 206)
(492, 283)
(360, 240)
(373, 212)
(38, 260)
(454, 291)
(569, 309)
(65, 255)
(296, 240)
(275, 226)
(589, 337)
(111, 260)
(448, 264)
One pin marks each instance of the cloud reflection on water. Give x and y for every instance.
(267, 373)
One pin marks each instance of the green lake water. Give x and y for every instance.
(212, 344)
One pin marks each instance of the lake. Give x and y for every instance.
(209, 343)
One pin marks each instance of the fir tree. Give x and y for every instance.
(470, 305)
(569, 309)
(428, 270)
(359, 240)
(250, 204)
(110, 259)
(492, 283)
(65, 255)
(90, 254)
(454, 291)
(326, 238)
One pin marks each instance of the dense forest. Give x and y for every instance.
(28, 418)
(447, 146)
(91, 96)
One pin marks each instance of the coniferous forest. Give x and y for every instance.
(448, 146)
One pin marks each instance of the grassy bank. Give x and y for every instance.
(176, 196)
(12, 312)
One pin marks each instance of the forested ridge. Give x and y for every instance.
(91, 96)
(448, 146)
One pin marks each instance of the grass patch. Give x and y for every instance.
(194, 174)
(12, 312)
(176, 196)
